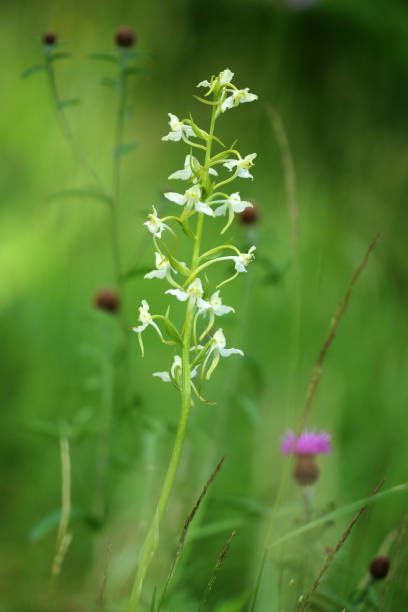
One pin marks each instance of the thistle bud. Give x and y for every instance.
(125, 37)
(250, 215)
(379, 567)
(107, 299)
(49, 38)
(306, 470)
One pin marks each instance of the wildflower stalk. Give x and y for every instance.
(63, 121)
(197, 202)
(114, 219)
(64, 537)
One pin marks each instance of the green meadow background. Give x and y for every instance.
(335, 71)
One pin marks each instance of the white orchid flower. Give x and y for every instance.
(154, 224)
(213, 305)
(191, 169)
(242, 165)
(217, 348)
(178, 129)
(218, 345)
(243, 260)
(233, 204)
(163, 268)
(145, 319)
(223, 78)
(191, 199)
(175, 371)
(194, 290)
(238, 96)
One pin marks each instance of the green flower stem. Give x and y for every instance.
(218, 249)
(114, 228)
(197, 271)
(152, 539)
(64, 125)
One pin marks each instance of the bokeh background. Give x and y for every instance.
(335, 72)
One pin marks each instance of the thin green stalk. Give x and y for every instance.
(152, 539)
(64, 125)
(114, 227)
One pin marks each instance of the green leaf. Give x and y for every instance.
(32, 70)
(215, 528)
(234, 605)
(198, 131)
(136, 70)
(57, 56)
(104, 57)
(250, 408)
(81, 193)
(205, 101)
(128, 54)
(51, 521)
(153, 604)
(328, 595)
(171, 329)
(43, 427)
(179, 266)
(125, 148)
(135, 272)
(365, 501)
(69, 102)
(108, 82)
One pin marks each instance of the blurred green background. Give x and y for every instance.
(335, 72)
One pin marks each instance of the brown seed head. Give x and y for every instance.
(306, 470)
(107, 299)
(125, 37)
(249, 216)
(49, 38)
(379, 567)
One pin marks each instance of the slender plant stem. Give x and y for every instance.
(64, 537)
(152, 539)
(64, 124)
(294, 213)
(114, 228)
(183, 535)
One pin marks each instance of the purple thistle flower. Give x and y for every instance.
(308, 443)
